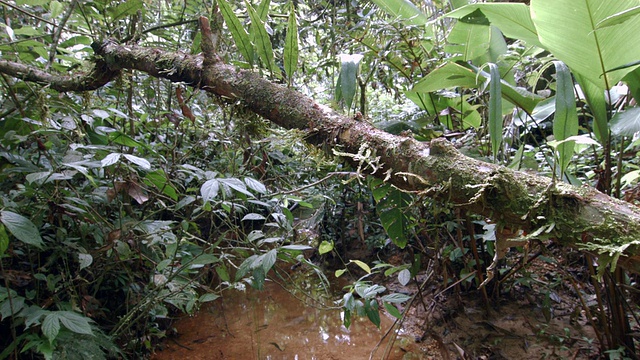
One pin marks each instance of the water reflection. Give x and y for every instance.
(272, 324)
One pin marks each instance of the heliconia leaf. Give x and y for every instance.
(348, 78)
(565, 123)
(567, 28)
(455, 75)
(618, 18)
(262, 41)
(514, 20)
(495, 109)
(291, 51)
(626, 123)
(468, 40)
(22, 228)
(238, 32)
(404, 10)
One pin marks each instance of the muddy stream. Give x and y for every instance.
(275, 323)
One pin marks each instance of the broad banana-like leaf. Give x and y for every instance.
(404, 10)
(626, 123)
(619, 18)
(565, 122)
(595, 97)
(468, 40)
(567, 28)
(514, 20)
(455, 75)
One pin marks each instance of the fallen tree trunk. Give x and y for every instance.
(535, 204)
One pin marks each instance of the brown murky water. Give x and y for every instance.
(273, 324)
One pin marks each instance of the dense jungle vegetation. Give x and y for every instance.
(126, 204)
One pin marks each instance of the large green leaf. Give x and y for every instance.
(404, 10)
(22, 228)
(238, 32)
(455, 75)
(262, 41)
(291, 50)
(565, 122)
(595, 97)
(514, 20)
(348, 78)
(468, 40)
(495, 109)
(619, 18)
(567, 28)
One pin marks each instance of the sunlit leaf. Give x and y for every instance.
(325, 247)
(253, 217)
(513, 19)
(210, 189)
(110, 159)
(468, 40)
(255, 185)
(395, 298)
(84, 260)
(404, 277)
(404, 10)
(618, 18)
(362, 265)
(144, 164)
(567, 29)
(297, 247)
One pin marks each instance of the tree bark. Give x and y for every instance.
(570, 215)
